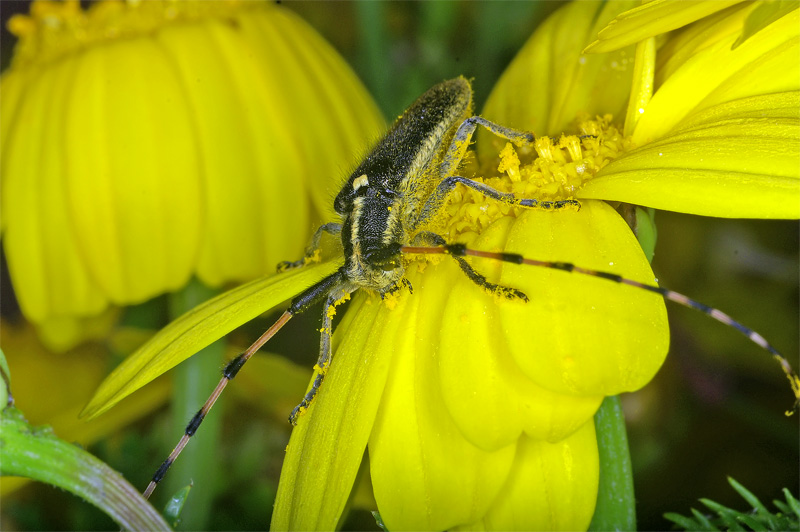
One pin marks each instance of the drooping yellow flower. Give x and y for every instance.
(477, 413)
(146, 142)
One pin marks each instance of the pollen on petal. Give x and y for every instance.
(550, 169)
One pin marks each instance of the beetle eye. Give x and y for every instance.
(389, 265)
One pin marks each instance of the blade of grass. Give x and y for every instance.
(192, 381)
(38, 454)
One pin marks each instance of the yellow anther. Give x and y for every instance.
(544, 147)
(509, 163)
(548, 171)
(573, 146)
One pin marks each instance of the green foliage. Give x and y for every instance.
(174, 507)
(616, 503)
(787, 516)
(38, 454)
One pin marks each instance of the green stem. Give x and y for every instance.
(616, 505)
(371, 20)
(36, 453)
(192, 382)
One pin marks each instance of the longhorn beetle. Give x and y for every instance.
(398, 187)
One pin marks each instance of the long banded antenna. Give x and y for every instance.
(230, 371)
(460, 250)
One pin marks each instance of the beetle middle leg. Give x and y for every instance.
(428, 238)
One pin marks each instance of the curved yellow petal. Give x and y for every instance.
(197, 329)
(650, 19)
(762, 15)
(40, 244)
(738, 159)
(552, 486)
(696, 37)
(764, 64)
(305, 65)
(550, 81)
(245, 163)
(642, 86)
(425, 474)
(171, 140)
(582, 335)
(485, 391)
(328, 443)
(132, 170)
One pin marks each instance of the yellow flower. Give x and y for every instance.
(147, 142)
(477, 412)
(462, 435)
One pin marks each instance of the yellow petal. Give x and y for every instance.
(179, 134)
(49, 276)
(61, 333)
(764, 14)
(327, 445)
(550, 81)
(305, 66)
(582, 335)
(764, 64)
(692, 39)
(642, 86)
(735, 160)
(425, 474)
(552, 486)
(132, 170)
(246, 164)
(197, 329)
(489, 397)
(650, 19)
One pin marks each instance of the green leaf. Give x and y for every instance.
(198, 328)
(38, 454)
(705, 524)
(616, 504)
(753, 501)
(379, 520)
(727, 515)
(782, 506)
(646, 231)
(759, 518)
(682, 522)
(173, 508)
(792, 502)
(750, 521)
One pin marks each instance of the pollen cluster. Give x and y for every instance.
(55, 29)
(549, 169)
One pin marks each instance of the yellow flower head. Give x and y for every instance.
(146, 142)
(480, 405)
(476, 411)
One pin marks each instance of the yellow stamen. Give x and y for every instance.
(552, 170)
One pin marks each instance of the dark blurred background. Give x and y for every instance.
(716, 409)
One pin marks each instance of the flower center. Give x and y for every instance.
(55, 29)
(549, 169)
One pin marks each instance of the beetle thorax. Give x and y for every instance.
(372, 235)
